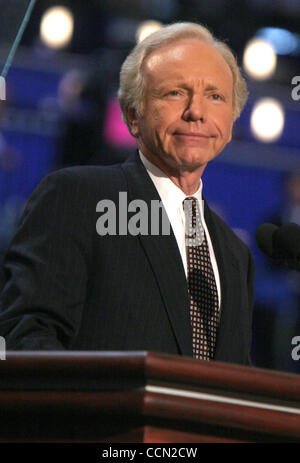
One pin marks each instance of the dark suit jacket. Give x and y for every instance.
(69, 288)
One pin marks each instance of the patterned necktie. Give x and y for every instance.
(204, 306)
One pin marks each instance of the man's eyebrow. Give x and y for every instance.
(184, 84)
(219, 88)
(166, 86)
(171, 83)
(211, 87)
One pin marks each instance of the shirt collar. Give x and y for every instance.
(167, 190)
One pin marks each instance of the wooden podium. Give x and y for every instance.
(143, 397)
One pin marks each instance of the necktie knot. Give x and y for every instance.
(194, 232)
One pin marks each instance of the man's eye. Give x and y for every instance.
(216, 96)
(173, 93)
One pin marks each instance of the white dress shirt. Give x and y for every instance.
(172, 198)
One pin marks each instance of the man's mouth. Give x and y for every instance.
(193, 136)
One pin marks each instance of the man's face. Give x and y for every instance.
(187, 111)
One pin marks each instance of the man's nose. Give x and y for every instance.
(195, 109)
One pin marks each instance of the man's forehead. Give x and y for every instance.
(183, 51)
(179, 49)
(174, 51)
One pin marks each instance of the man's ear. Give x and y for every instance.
(132, 121)
(230, 133)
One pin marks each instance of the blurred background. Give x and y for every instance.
(61, 110)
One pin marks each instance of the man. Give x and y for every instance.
(71, 286)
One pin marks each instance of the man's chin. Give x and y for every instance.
(188, 160)
(193, 160)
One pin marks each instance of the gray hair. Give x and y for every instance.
(131, 89)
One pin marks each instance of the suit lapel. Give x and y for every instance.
(164, 257)
(230, 289)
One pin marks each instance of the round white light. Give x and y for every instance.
(259, 59)
(57, 27)
(146, 28)
(267, 120)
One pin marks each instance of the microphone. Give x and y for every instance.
(280, 243)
